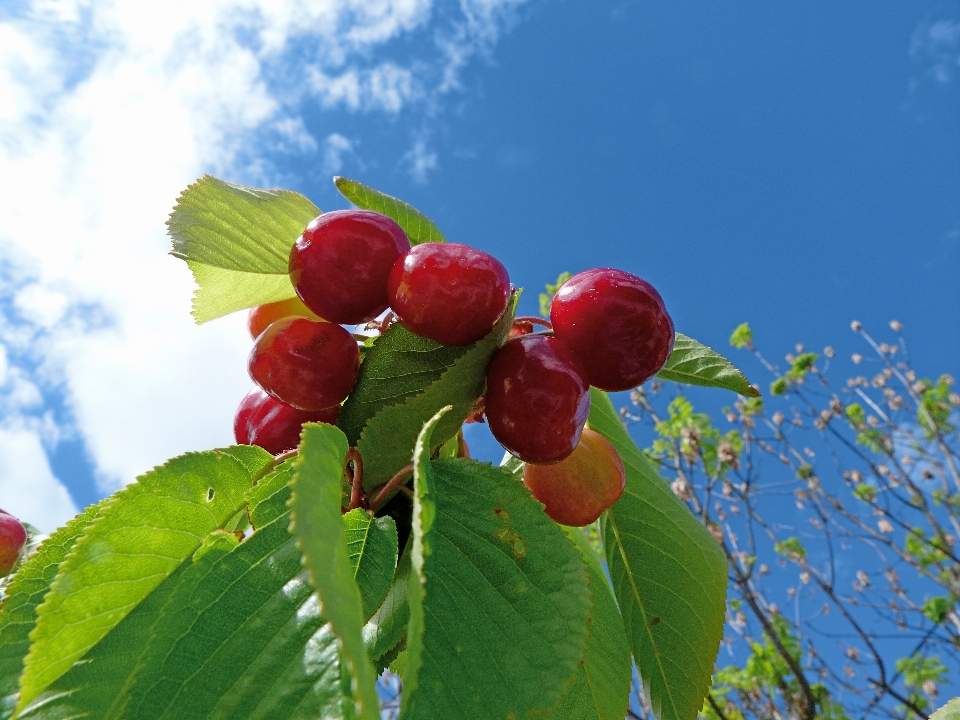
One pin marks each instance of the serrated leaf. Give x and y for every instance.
(950, 711)
(387, 440)
(318, 525)
(372, 550)
(388, 625)
(18, 612)
(418, 227)
(485, 554)
(140, 537)
(220, 292)
(234, 633)
(237, 227)
(696, 364)
(601, 688)
(669, 576)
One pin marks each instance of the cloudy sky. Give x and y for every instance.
(795, 167)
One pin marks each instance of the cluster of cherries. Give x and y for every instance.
(607, 328)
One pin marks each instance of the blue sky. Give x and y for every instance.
(792, 166)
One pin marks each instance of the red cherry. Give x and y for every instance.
(448, 292)
(309, 365)
(576, 490)
(616, 325)
(275, 426)
(260, 317)
(537, 400)
(13, 536)
(340, 264)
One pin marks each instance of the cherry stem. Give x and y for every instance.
(272, 465)
(392, 485)
(534, 320)
(356, 477)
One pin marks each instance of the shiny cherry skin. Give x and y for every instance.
(309, 365)
(13, 536)
(537, 400)
(617, 326)
(576, 490)
(260, 317)
(340, 264)
(264, 421)
(448, 292)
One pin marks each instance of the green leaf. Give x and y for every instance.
(696, 364)
(601, 688)
(742, 336)
(388, 626)
(141, 535)
(669, 576)
(237, 227)
(18, 612)
(418, 227)
(486, 556)
(372, 548)
(387, 440)
(546, 299)
(319, 528)
(233, 633)
(221, 292)
(950, 711)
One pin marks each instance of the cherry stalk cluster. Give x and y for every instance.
(607, 328)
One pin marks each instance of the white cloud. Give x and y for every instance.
(334, 149)
(936, 46)
(419, 160)
(29, 490)
(107, 110)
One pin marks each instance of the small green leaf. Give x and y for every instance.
(372, 548)
(485, 554)
(141, 535)
(950, 711)
(221, 292)
(387, 440)
(778, 386)
(546, 299)
(936, 608)
(237, 227)
(742, 337)
(601, 688)
(318, 525)
(696, 364)
(669, 576)
(791, 548)
(18, 612)
(418, 227)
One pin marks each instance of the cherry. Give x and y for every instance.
(616, 325)
(13, 536)
(576, 490)
(260, 317)
(340, 264)
(275, 426)
(537, 400)
(448, 292)
(309, 365)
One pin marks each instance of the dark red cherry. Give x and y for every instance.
(309, 365)
(340, 264)
(448, 292)
(576, 490)
(13, 536)
(275, 426)
(260, 317)
(537, 400)
(617, 326)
